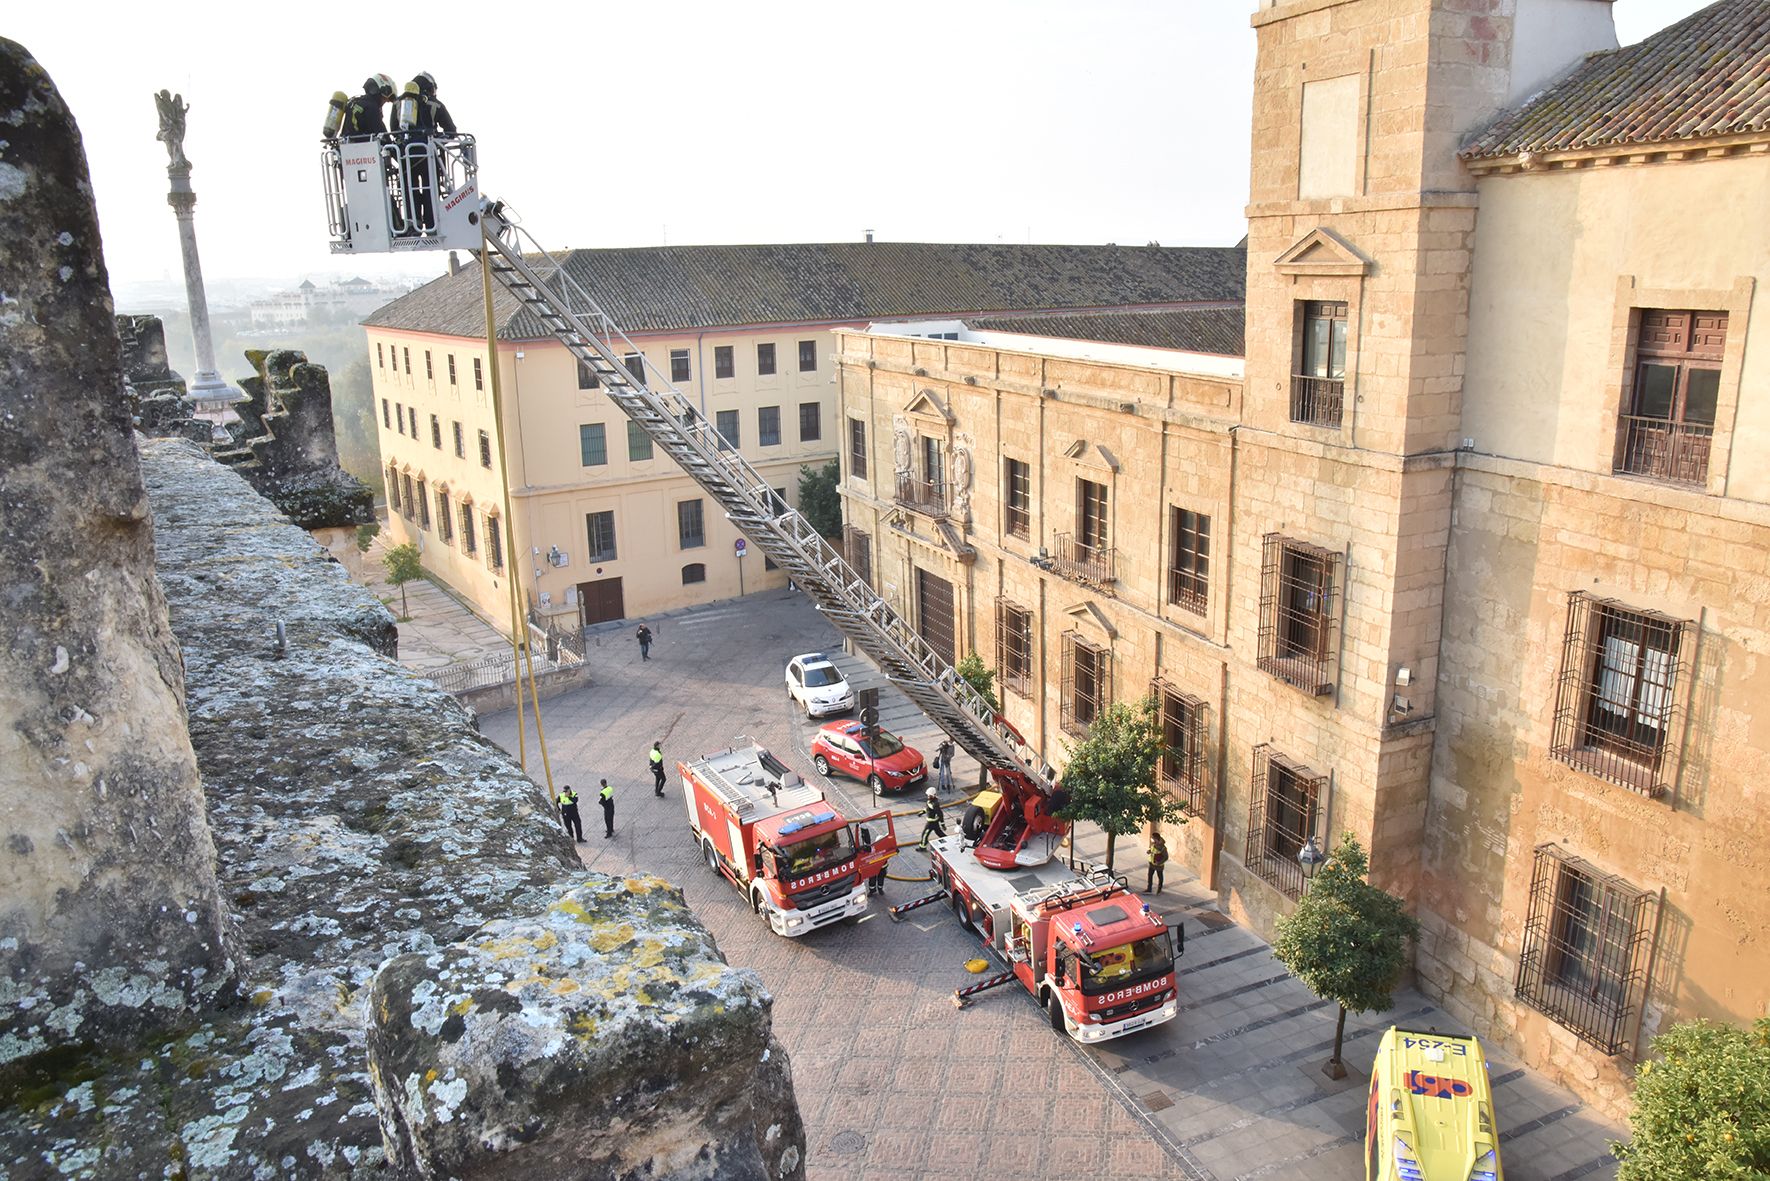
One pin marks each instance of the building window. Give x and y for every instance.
(592, 444)
(1618, 713)
(679, 370)
(423, 499)
(1587, 937)
(494, 541)
(694, 572)
(394, 354)
(1298, 613)
(386, 415)
(691, 528)
(407, 353)
(765, 359)
(635, 363)
(638, 442)
(445, 519)
(1670, 423)
(485, 450)
(601, 528)
(413, 412)
(393, 497)
(807, 356)
(768, 426)
(1017, 498)
(933, 466)
(436, 432)
(452, 370)
(1085, 555)
(1281, 816)
(1318, 386)
(1091, 514)
(479, 382)
(1189, 566)
(1014, 647)
(1087, 683)
(429, 373)
(857, 448)
(469, 543)
(1182, 765)
(811, 422)
(587, 379)
(727, 425)
(460, 441)
(380, 361)
(723, 366)
(857, 548)
(399, 414)
(409, 509)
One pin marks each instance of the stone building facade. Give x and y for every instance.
(1467, 560)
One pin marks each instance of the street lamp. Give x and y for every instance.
(1310, 857)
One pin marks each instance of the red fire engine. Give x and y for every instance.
(775, 837)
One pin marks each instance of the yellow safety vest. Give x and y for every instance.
(607, 793)
(657, 757)
(568, 798)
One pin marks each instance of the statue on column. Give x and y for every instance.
(172, 111)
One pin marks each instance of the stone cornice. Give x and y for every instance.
(1622, 155)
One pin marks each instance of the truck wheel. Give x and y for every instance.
(822, 764)
(756, 901)
(711, 854)
(960, 910)
(973, 823)
(875, 784)
(1057, 1021)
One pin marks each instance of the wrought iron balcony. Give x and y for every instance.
(1317, 400)
(1095, 565)
(1676, 452)
(925, 496)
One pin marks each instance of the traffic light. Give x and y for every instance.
(869, 713)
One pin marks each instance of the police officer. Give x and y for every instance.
(363, 115)
(568, 813)
(657, 768)
(607, 798)
(934, 817)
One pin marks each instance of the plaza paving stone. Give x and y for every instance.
(893, 1081)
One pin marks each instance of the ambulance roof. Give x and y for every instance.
(1433, 1089)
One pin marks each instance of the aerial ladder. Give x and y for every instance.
(1023, 829)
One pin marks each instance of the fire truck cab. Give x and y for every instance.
(801, 863)
(1087, 948)
(399, 193)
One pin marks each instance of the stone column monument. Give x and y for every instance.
(208, 392)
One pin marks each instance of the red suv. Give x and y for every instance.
(883, 764)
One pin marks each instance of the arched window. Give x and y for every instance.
(392, 487)
(694, 572)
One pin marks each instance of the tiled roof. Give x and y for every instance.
(664, 288)
(1707, 75)
(1192, 330)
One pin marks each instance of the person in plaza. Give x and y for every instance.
(644, 637)
(1158, 860)
(656, 758)
(934, 819)
(607, 798)
(945, 757)
(568, 813)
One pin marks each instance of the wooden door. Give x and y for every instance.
(600, 601)
(934, 613)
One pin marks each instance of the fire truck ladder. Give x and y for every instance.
(541, 283)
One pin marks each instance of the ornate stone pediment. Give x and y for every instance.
(1321, 252)
(927, 405)
(1088, 613)
(1094, 455)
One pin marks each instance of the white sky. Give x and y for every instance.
(608, 124)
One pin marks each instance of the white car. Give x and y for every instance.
(818, 685)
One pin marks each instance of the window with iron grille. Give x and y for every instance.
(765, 359)
(638, 442)
(409, 508)
(768, 426)
(1669, 425)
(386, 414)
(436, 432)
(1087, 683)
(1017, 501)
(1189, 567)
(485, 450)
(587, 379)
(726, 423)
(601, 530)
(429, 373)
(479, 379)
(807, 356)
(469, 542)
(694, 572)
(423, 506)
(399, 418)
(679, 369)
(494, 541)
(857, 448)
(1319, 383)
(723, 366)
(460, 441)
(1090, 515)
(393, 499)
(1587, 938)
(1283, 798)
(635, 363)
(857, 548)
(1619, 707)
(451, 368)
(811, 421)
(445, 519)
(1182, 766)
(413, 412)
(592, 444)
(691, 529)
(1014, 658)
(1299, 613)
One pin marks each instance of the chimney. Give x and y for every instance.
(869, 237)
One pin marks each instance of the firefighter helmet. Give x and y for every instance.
(379, 82)
(934, 793)
(426, 83)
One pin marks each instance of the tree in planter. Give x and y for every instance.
(403, 566)
(1111, 774)
(1347, 940)
(1702, 1106)
(818, 499)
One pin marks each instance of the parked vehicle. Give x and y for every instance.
(882, 762)
(1430, 1115)
(818, 685)
(799, 861)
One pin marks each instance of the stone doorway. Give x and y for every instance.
(600, 601)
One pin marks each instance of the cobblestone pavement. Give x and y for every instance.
(896, 1083)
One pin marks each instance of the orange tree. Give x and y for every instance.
(1702, 1106)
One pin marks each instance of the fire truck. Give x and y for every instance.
(776, 838)
(426, 197)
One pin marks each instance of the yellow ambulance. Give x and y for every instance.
(1430, 1116)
